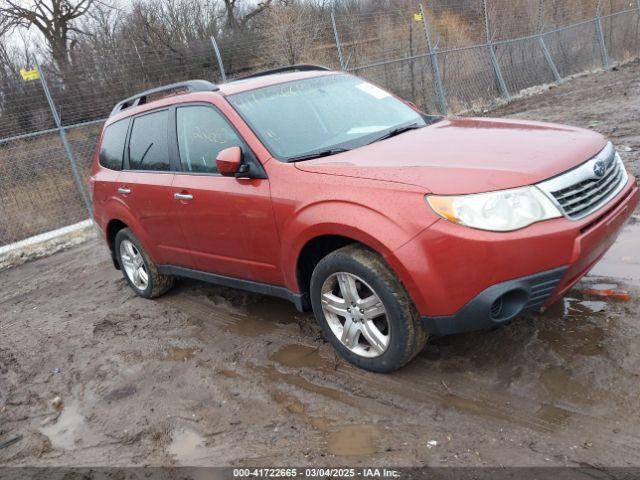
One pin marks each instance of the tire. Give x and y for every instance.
(156, 283)
(400, 335)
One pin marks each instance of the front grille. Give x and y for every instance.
(583, 196)
(582, 191)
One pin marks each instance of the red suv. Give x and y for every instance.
(321, 188)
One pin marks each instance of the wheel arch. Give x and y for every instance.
(320, 242)
(113, 227)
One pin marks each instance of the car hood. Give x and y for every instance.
(467, 155)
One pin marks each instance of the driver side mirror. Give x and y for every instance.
(229, 161)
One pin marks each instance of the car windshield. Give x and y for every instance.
(323, 115)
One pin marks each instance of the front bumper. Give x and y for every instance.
(498, 304)
(455, 274)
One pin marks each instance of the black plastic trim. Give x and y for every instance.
(299, 300)
(141, 98)
(476, 314)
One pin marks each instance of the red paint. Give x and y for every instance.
(255, 229)
(228, 160)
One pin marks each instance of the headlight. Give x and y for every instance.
(500, 211)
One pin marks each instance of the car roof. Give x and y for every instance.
(252, 83)
(224, 89)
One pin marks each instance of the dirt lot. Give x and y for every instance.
(210, 376)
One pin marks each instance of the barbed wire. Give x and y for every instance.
(478, 57)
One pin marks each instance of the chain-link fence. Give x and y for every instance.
(447, 56)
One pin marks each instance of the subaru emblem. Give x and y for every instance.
(599, 168)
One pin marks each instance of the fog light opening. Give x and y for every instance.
(508, 305)
(496, 308)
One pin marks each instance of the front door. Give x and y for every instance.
(228, 223)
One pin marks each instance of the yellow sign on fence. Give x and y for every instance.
(28, 75)
(417, 17)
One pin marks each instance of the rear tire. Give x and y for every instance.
(364, 311)
(137, 268)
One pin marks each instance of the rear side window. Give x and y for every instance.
(202, 134)
(112, 146)
(148, 146)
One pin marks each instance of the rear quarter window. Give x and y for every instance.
(112, 147)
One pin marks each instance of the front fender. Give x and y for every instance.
(358, 222)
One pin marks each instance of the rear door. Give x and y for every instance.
(104, 180)
(145, 186)
(228, 222)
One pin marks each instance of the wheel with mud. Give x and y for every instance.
(139, 271)
(364, 311)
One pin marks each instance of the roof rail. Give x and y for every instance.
(141, 98)
(302, 67)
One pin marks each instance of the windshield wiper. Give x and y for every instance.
(397, 131)
(318, 154)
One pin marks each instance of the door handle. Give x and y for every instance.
(124, 190)
(183, 196)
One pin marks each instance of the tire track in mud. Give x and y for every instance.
(414, 388)
(207, 317)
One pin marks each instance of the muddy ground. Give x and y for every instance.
(92, 375)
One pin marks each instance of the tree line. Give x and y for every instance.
(95, 52)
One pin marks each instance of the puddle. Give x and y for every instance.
(572, 330)
(297, 381)
(296, 407)
(604, 286)
(478, 408)
(298, 356)
(274, 310)
(594, 306)
(622, 261)
(253, 318)
(292, 404)
(188, 446)
(177, 354)
(250, 326)
(258, 318)
(353, 440)
(560, 386)
(62, 433)
(553, 414)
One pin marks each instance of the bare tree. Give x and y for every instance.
(296, 33)
(55, 19)
(236, 19)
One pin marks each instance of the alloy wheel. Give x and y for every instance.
(355, 314)
(133, 265)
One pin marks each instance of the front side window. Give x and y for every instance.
(112, 147)
(329, 112)
(202, 134)
(148, 146)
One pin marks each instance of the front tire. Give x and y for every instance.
(137, 267)
(364, 311)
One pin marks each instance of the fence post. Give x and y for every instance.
(543, 45)
(433, 55)
(219, 58)
(337, 38)
(600, 34)
(547, 56)
(502, 86)
(65, 141)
